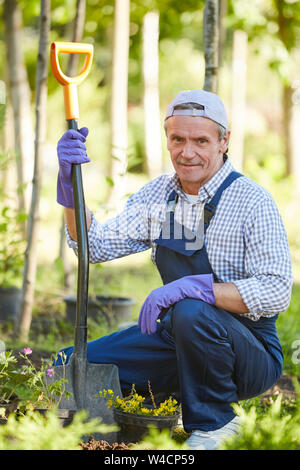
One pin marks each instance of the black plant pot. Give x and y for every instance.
(113, 310)
(65, 416)
(10, 302)
(133, 427)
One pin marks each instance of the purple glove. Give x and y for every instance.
(199, 286)
(70, 149)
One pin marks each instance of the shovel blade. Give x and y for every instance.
(98, 377)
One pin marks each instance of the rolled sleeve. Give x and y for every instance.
(267, 289)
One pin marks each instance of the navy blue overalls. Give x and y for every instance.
(210, 356)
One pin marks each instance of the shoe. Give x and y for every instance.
(211, 440)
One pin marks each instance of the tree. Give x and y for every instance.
(211, 44)
(151, 94)
(40, 137)
(238, 99)
(78, 29)
(20, 98)
(119, 101)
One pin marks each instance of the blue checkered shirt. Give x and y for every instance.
(246, 240)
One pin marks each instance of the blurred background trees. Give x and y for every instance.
(145, 53)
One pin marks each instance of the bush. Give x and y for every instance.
(35, 432)
(275, 430)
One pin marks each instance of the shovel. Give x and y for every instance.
(84, 379)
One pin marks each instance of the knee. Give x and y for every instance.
(191, 314)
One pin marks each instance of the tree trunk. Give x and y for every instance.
(222, 31)
(78, 30)
(151, 94)
(119, 103)
(40, 137)
(287, 108)
(238, 99)
(295, 149)
(20, 97)
(8, 176)
(211, 44)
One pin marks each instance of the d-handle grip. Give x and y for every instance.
(70, 83)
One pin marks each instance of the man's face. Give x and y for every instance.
(195, 149)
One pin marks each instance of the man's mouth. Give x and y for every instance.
(191, 164)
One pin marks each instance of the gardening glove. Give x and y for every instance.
(198, 286)
(70, 149)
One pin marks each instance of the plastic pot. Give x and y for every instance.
(65, 416)
(113, 310)
(133, 427)
(10, 302)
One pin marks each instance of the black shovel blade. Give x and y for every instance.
(98, 377)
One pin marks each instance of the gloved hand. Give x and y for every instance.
(70, 149)
(199, 286)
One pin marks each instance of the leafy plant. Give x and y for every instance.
(12, 247)
(27, 385)
(134, 403)
(10, 379)
(34, 431)
(159, 440)
(275, 430)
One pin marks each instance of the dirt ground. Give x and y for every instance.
(103, 445)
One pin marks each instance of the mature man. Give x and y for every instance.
(220, 246)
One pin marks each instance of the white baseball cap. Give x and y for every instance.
(211, 105)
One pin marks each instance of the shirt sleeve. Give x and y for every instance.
(125, 234)
(267, 289)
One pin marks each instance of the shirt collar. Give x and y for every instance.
(207, 191)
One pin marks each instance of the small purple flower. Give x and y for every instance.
(23, 373)
(50, 372)
(27, 351)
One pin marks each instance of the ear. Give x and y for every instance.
(225, 142)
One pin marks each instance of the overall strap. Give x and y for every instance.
(210, 207)
(172, 201)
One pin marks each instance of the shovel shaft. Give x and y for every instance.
(82, 282)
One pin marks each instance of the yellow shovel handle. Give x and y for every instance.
(70, 83)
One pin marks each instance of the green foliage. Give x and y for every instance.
(38, 392)
(35, 432)
(275, 430)
(27, 383)
(12, 247)
(11, 379)
(159, 440)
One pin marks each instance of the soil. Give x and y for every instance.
(103, 445)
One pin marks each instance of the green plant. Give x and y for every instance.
(159, 440)
(27, 385)
(34, 431)
(274, 430)
(133, 403)
(11, 379)
(39, 393)
(12, 247)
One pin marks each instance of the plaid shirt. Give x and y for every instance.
(246, 240)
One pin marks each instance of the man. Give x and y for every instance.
(220, 246)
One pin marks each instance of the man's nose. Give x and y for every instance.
(188, 150)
